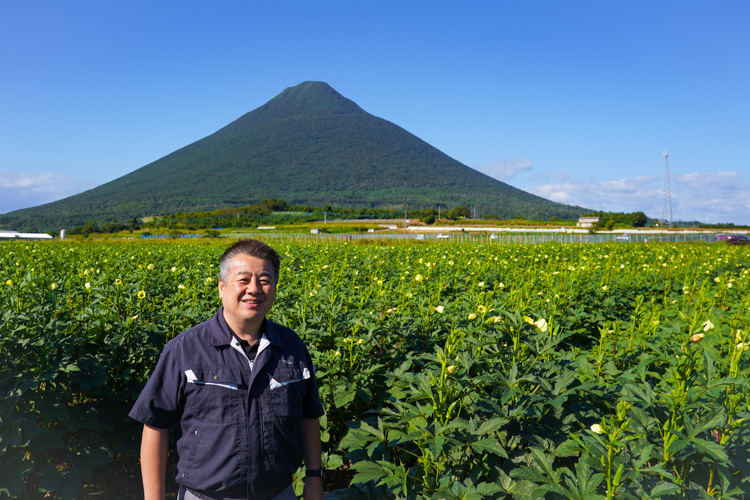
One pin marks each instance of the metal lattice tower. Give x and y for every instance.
(666, 202)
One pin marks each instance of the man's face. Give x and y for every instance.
(248, 293)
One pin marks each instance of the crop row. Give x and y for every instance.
(446, 371)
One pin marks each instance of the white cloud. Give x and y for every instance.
(505, 169)
(711, 198)
(22, 190)
(715, 197)
(610, 196)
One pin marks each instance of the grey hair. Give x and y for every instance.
(253, 248)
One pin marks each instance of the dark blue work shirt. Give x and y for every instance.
(236, 430)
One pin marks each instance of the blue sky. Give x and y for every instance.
(574, 101)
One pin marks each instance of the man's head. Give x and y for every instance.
(253, 248)
(249, 270)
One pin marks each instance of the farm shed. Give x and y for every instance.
(15, 235)
(587, 221)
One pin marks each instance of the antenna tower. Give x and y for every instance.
(666, 202)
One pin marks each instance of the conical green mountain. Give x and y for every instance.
(309, 145)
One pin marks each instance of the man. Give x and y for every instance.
(240, 394)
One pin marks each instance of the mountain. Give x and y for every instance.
(310, 146)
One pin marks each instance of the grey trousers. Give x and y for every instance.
(287, 494)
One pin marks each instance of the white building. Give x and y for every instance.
(15, 235)
(587, 221)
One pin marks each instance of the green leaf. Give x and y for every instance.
(15, 470)
(530, 474)
(343, 397)
(587, 481)
(708, 423)
(490, 445)
(492, 425)
(664, 489)
(641, 392)
(67, 485)
(541, 469)
(714, 450)
(370, 471)
(334, 461)
(10, 437)
(488, 489)
(568, 448)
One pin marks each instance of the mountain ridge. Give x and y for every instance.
(309, 145)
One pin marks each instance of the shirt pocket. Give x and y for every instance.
(214, 394)
(287, 386)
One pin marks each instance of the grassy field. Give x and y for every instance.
(461, 370)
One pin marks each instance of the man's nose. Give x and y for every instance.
(253, 286)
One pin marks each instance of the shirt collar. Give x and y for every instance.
(221, 334)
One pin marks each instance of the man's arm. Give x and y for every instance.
(154, 444)
(311, 449)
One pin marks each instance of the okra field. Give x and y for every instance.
(447, 370)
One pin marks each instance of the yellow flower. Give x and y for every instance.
(141, 294)
(53, 286)
(708, 325)
(118, 282)
(541, 323)
(481, 284)
(743, 346)
(87, 285)
(528, 320)
(439, 309)
(391, 310)
(451, 369)
(481, 309)
(597, 429)
(174, 269)
(697, 337)
(180, 287)
(209, 280)
(472, 316)
(418, 277)
(150, 267)
(9, 282)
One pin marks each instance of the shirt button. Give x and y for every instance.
(216, 377)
